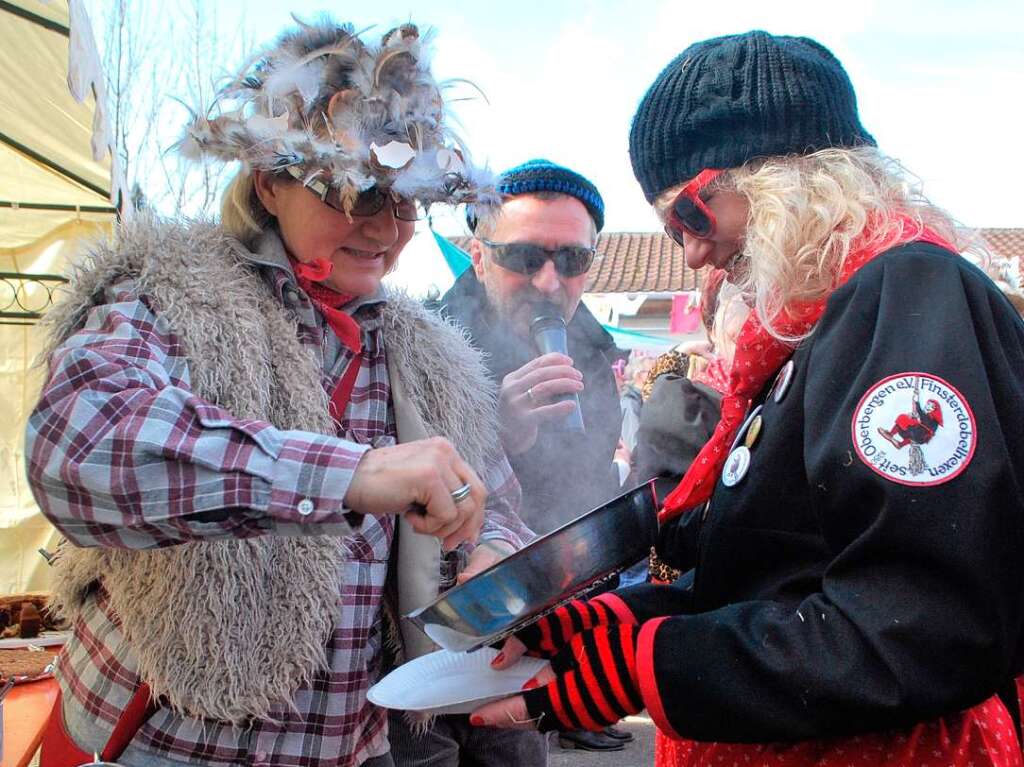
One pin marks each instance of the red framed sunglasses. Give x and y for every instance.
(689, 213)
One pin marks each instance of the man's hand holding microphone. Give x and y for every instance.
(545, 389)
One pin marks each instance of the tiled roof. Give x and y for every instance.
(639, 262)
(1008, 243)
(634, 262)
(648, 262)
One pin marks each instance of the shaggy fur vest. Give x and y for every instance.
(185, 609)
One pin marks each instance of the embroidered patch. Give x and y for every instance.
(915, 429)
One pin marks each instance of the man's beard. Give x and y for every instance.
(518, 317)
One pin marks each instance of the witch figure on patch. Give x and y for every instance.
(915, 428)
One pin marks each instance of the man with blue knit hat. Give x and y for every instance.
(534, 252)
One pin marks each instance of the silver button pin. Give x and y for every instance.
(736, 466)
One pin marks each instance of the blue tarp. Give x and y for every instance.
(630, 339)
(457, 259)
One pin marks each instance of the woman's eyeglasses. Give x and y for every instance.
(689, 213)
(527, 258)
(367, 203)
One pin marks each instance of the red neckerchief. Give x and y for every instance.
(329, 302)
(716, 375)
(758, 356)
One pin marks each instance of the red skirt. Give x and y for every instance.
(982, 736)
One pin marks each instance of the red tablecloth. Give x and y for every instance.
(26, 711)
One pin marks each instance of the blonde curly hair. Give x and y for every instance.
(806, 213)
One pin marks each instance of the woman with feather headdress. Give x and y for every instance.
(242, 428)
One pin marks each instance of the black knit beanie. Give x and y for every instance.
(545, 176)
(728, 100)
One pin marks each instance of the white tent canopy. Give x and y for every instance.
(55, 190)
(421, 269)
(54, 161)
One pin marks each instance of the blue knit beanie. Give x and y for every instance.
(545, 176)
(725, 101)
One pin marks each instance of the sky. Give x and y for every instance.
(939, 83)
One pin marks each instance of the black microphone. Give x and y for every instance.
(548, 332)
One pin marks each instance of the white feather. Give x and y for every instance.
(268, 127)
(262, 116)
(394, 154)
(295, 77)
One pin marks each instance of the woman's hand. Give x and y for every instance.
(590, 684)
(418, 479)
(511, 713)
(703, 349)
(545, 637)
(485, 554)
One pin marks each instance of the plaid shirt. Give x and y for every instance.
(123, 454)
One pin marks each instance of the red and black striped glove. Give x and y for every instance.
(551, 633)
(596, 684)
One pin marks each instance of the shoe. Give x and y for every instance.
(888, 436)
(585, 740)
(623, 736)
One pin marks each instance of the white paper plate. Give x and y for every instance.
(446, 682)
(49, 639)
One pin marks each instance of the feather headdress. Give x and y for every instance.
(340, 114)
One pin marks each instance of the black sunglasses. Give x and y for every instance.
(527, 258)
(367, 203)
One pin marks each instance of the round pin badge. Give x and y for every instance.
(782, 381)
(736, 466)
(915, 429)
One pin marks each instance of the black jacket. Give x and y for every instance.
(829, 599)
(563, 475)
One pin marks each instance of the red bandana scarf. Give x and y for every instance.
(715, 375)
(329, 302)
(758, 356)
